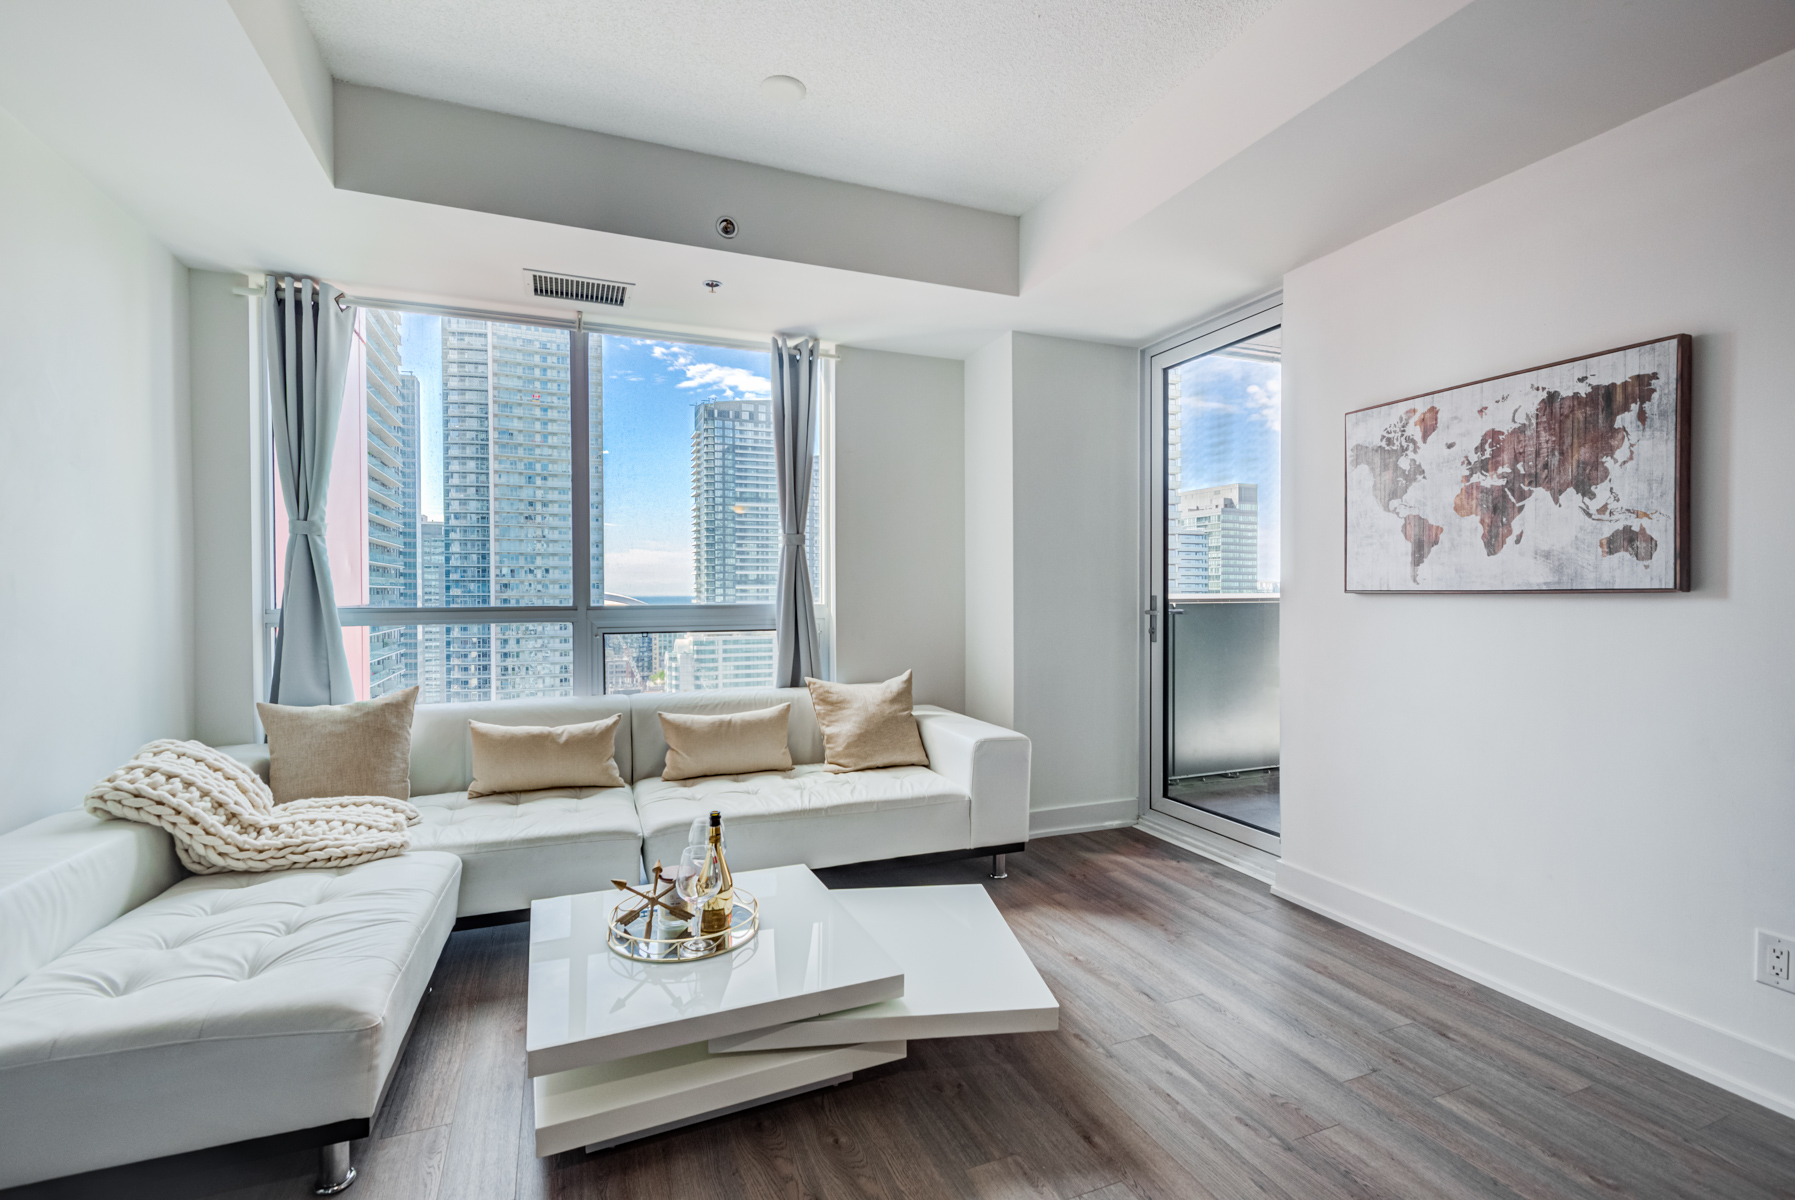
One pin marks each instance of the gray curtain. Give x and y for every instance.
(796, 369)
(305, 355)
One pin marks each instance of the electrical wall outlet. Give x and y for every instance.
(1776, 961)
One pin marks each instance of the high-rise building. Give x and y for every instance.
(735, 504)
(1186, 574)
(432, 678)
(736, 542)
(705, 661)
(507, 506)
(392, 463)
(595, 458)
(1218, 529)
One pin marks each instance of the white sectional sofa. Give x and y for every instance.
(145, 1013)
(519, 847)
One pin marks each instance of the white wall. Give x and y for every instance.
(900, 545)
(990, 534)
(95, 596)
(1583, 800)
(1053, 568)
(227, 610)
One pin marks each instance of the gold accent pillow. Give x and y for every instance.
(358, 749)
(727, 744)
(529, 758)
(867, 725)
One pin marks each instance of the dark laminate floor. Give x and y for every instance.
(1251, 798)
(1215, 1042)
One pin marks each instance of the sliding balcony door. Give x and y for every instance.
(1213, 614)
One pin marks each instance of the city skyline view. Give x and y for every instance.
(452, 486)
(1223, 425)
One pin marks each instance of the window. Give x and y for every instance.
(1222, 430)
(469, 451)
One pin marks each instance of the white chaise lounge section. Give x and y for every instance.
(221, 1009)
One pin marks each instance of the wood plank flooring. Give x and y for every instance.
(1215, 1042)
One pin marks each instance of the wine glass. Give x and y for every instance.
(700, 876)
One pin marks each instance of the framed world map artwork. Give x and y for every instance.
(1571, 477)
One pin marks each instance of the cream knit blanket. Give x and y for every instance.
(223, 817)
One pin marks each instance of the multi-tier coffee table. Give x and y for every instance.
(834, 983)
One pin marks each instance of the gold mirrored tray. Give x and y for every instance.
(642, 932)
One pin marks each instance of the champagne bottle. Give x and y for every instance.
(719, 908)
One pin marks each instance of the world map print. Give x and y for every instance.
(1561, 478)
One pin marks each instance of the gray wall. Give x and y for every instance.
(1076, 407)
(1582, 800)
(1053, 567)
(990, 537)
(900, 586)
(229, 454)
(96, 631)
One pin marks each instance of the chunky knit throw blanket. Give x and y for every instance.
(223, 817)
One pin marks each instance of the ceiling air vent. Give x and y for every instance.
(550, 286)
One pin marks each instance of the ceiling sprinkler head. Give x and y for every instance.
(783, 90)
(726, 226)
(713, 284)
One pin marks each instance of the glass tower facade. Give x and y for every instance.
(391, 433)
(507, 506)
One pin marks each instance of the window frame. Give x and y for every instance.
(591, 622)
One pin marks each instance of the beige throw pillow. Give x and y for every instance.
(867, 725)
(727, 744)
(529, 758)
(357, 749)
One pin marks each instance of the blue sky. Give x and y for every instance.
(421, 353)
(1231, 427)
(651, 388)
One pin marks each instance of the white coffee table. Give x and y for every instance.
(834, 983)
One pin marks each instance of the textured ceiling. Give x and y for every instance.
(991, 104)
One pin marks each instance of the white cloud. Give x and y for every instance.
(729, 383)
(736, 382)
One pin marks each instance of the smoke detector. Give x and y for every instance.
(551, 285)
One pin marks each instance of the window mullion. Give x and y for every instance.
(588, 666)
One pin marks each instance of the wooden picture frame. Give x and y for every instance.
(1589, 456)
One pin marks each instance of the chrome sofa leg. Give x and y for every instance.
(998, 870)
(334, 1172)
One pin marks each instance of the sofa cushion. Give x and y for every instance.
(803, 738)
(229, 1007)
(810, 815)
(867, 725)
(442, 752)
(69, 874)
(523, 758)
(700, 744)
(357, 749)
(517, 847)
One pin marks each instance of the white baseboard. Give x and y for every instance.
(1759, 1073)
(1083, 817)
(1248, 860)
